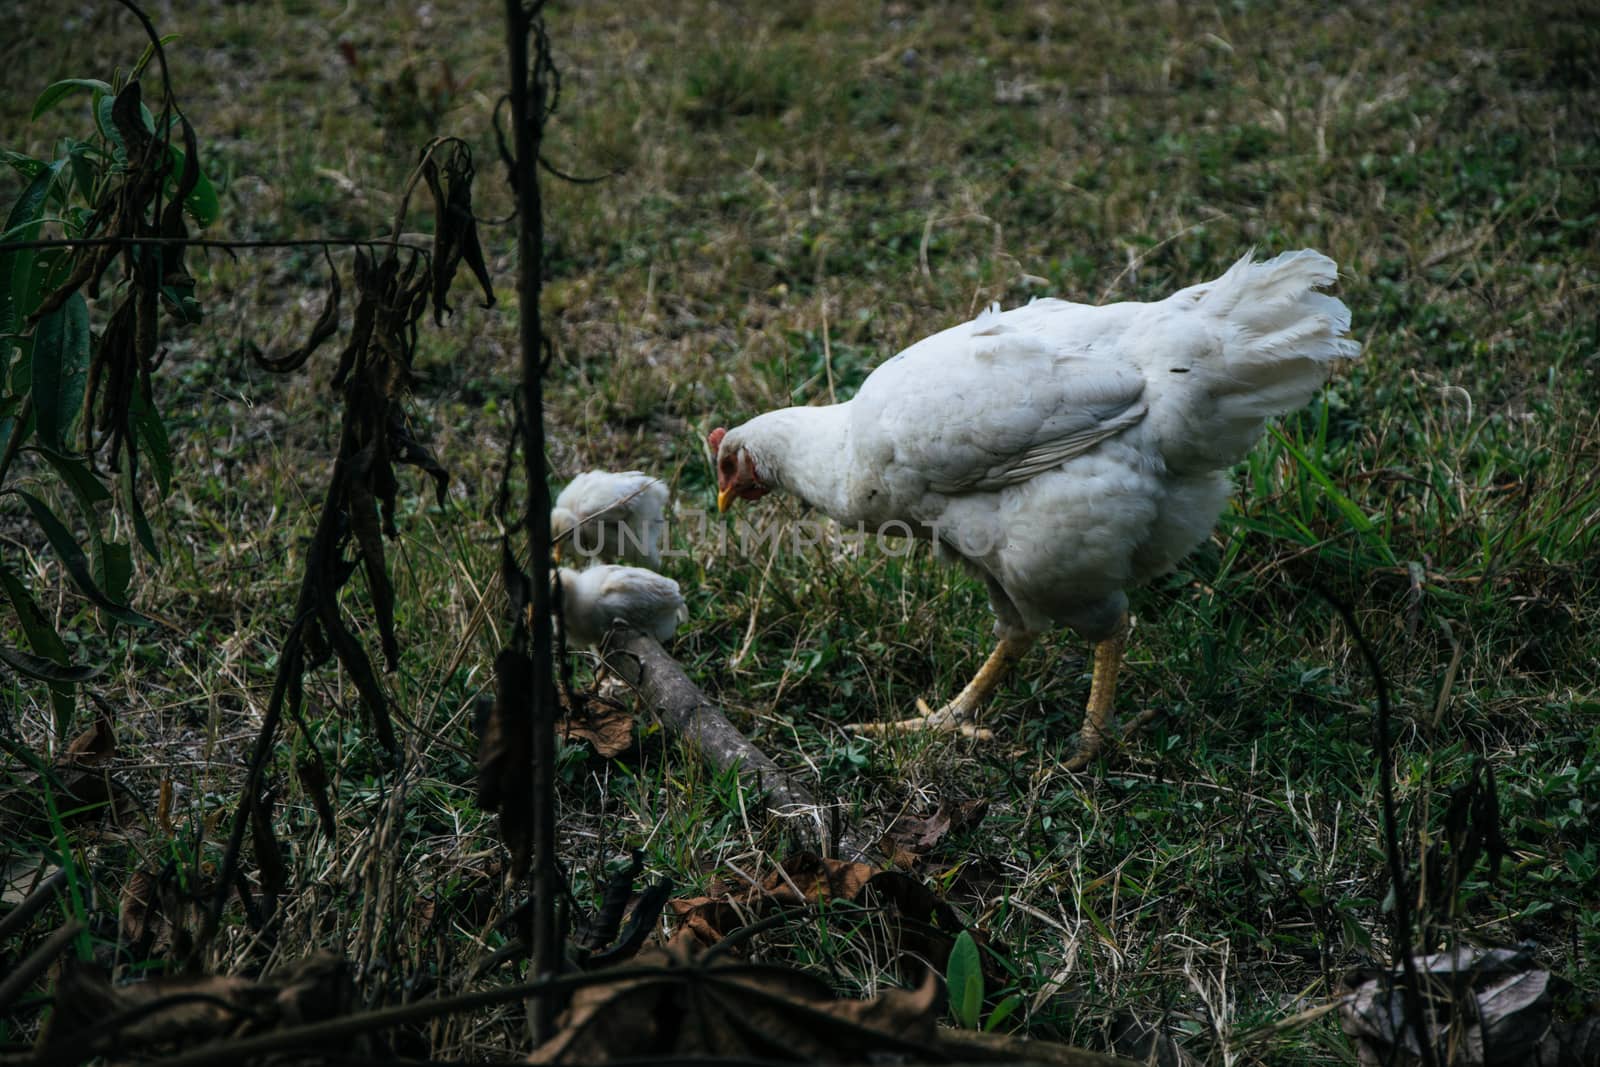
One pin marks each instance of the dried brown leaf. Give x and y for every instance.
(269, 854)
(93, 746)
(505, 754)
(1492, 1006)
(920, 924)
(196, 1008)
(86, 996)
(605, 724)
(739, 1011)
(326, 326)
(139, 914)
(911, 837)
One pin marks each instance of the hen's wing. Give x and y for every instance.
(986, 405)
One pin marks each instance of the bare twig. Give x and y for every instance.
(534, 90)
(23, 974)
(1411, 987)
(18, 918)
(688, 712)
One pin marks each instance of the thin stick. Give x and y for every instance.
(685, 710)
(22, 976)
(530, 100)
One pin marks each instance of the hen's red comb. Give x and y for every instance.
(714, 439)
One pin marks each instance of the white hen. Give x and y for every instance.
(611, 516)
(1067, 453)
(592, 600)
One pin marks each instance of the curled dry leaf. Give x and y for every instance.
(505, 756)
(1493, 1007)
(326, 326)
(740, 1010)
(193, 1008)
(140, 922)
(94, 746)
(920, 924)
(911, 837)
(83, 787)
(314, 780)
(269, 854)
(605, 723)
(447, 166)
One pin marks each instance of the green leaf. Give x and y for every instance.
(15, 267)
(1346, 507)
(79, 478)
(87, 162)
(10, 426)
(72, 557)
(54, 94)
(201, 204)
(964, 977)
(114, 569)
(103, 117)
(150, 51)
(152, 431)
(103, 103)
(44, 670)
(60, 366)
(46, 644)
(1002, 1012)
(141, 524)
(24, 165)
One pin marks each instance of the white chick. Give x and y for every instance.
(602, 515)
(593, 599)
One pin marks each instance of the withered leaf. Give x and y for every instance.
(164, 806)
(193, 1007)
(363, 515)
(911, 837)
(742, 1011)
(87, 794)
(408, 450)
(1494, 1004)
(455, 233)
(314, 780)
(920, 924)
(94, 746)
(606, 724)
(505, 753)
(86, 996)
(1572, 1044)
(269, 854)
(139, 918)
(326, 326)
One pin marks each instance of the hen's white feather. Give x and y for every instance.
(612, 516)
(1067, 452)
(594, 599)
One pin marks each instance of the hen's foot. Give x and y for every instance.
(954, 718)
(957, 716)
(1102, 695)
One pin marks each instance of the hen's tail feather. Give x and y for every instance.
(1280, 337)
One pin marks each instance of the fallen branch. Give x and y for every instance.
(638, 660)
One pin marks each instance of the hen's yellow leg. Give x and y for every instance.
(957, 716)
(1102, 696)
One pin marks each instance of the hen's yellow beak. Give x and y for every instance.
(724, 499)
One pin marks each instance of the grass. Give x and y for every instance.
(802, 189)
